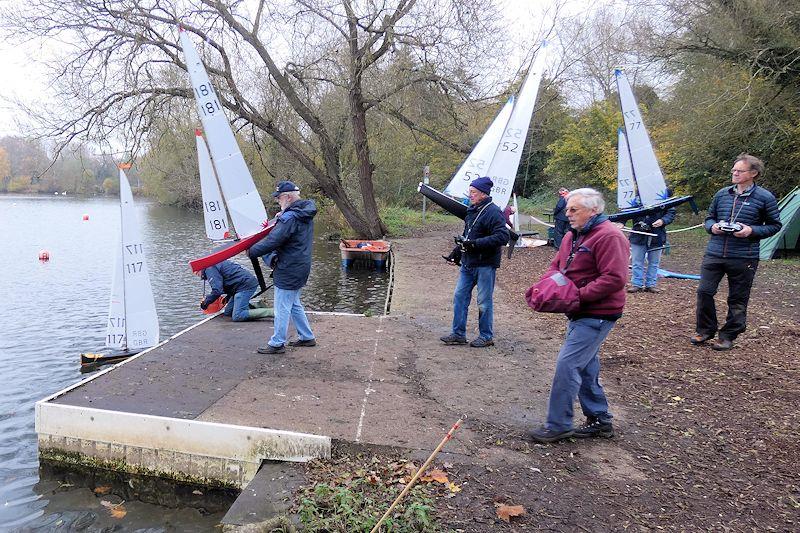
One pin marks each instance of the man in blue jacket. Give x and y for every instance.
(645, 247)
(560, 220)
(738, 218)
(290, 245)
(484, 235)
(239, 285)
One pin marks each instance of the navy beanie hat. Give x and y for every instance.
(483, 184)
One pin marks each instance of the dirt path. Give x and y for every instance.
(704, 439)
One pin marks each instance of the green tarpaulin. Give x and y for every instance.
(787, 237)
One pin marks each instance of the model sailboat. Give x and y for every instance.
(132, 319)
(237, 189)
(641, 188)
(499, 151)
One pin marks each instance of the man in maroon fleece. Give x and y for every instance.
(594, 255)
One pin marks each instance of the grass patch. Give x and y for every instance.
(402, 221)
(351, 494)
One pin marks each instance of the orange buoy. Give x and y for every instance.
(85, 217)
(44, 255)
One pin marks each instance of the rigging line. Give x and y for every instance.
(685, 229)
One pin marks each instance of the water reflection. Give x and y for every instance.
(54, 310)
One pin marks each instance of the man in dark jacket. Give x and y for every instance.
(645, 247)
(560, 218)
(738, 218)
(290, 245)
(484, 235)
(594, 256)
(239, 285)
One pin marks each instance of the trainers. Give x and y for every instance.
(652, 289)
(270, 349)
(634, 288)
(306, 342)
(595, 428)
(453, 339)
(480, 342)
(701, 338)
(722, 345)
(545, 435)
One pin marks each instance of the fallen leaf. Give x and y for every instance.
(102, 490)
(435, 475)
(453, 488)
(116, 510)
(505, 512)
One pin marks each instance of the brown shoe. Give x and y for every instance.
(652, 289)
(634, 288)
(701, 338)
(722, 345)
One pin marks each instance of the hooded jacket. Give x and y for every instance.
(755, 207)
(599, 268)
(291, 241)
(227, 278)
(485, 226)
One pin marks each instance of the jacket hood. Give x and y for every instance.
(303, 210)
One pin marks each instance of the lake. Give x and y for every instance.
(57, 309)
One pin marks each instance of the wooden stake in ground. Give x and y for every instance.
(416, 476)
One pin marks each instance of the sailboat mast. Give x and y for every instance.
(122, 254)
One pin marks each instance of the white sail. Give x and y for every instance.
(244, 203)
(115, 329)
(214, 212)
(647, 174)
(626, 188)
(478, 161)
(503, 169)
(140, 318)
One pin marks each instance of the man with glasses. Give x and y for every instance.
(289, 244)
(738, 218)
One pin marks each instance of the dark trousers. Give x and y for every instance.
(741, 273)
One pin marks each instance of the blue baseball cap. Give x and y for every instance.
(285, 186)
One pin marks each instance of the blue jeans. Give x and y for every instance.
(288, 307)
(238, 307)
(639, 278)
(483, 277)
(577, 373)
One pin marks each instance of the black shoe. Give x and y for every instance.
(545, 435)
(480, 342)
(453, 339)
(722, 345)
(595, 428)
(652, 289)
(634, 288)
(701, 338)
(270, 349)
(307, 342)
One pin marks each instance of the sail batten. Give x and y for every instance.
(244, 204)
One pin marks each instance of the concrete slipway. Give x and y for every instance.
(204, 407)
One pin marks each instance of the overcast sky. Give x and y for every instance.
(23, 78)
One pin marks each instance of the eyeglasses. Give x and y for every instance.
(737, 171)
(575, 209)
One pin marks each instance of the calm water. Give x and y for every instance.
(55, 310)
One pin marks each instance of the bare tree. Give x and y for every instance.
(305, 72)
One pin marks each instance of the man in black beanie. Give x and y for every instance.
(484, 235)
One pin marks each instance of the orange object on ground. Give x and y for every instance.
(215, 306)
